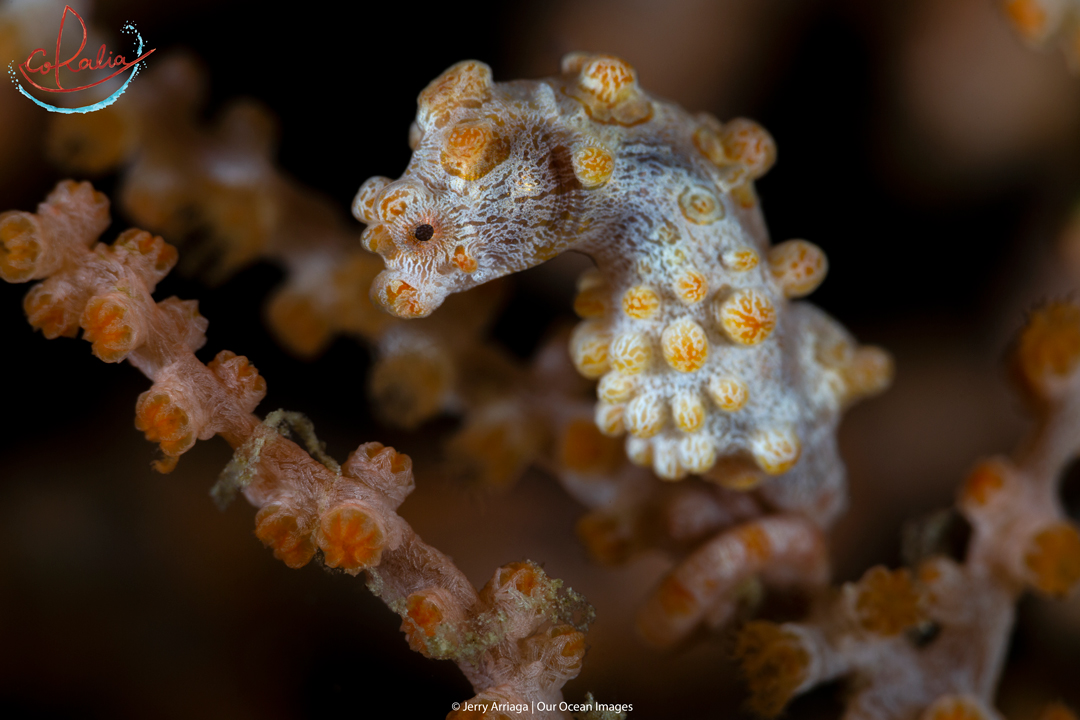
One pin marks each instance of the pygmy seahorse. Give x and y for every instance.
(687, 324)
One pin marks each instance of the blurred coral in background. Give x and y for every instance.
(928, 147)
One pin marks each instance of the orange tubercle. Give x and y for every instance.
(750, 145)
(607, 78)
(473, 149)
(378, 239)
(685, 345)
(467, 81)
(729, 394)
(363, 207)
(740, 259)
(748, 317)
(709, 144)
(394, 203)
(776, 450)
(403, 300)
(700, 206)
(691, 287)
(589, 349)
(641, 303)
(464, 262)
(593, 166)
(798, 267)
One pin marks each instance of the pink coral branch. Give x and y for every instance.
(932, 644)
(517, 640)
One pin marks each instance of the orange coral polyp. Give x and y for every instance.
(1049, 346)
(20, 246)
(983, 483)
(109, 324)
(775, 665)
(164, 421)
(1028, 17)
(161, 255)
(887, 603)
(351, 538)
(423, 618)
(604, 538)
(522, 576)
(280, 531)
(675, 599)
(426, 614)
(585, 449)
(49, 314)
(1054, 559)
(955, 707)
(110, 289)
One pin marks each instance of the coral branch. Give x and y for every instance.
(789, 549)
(518, 640)
(932, 644)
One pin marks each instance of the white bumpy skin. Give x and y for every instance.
(701, 358)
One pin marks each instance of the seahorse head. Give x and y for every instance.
(489, 191)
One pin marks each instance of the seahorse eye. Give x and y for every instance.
(424, 232)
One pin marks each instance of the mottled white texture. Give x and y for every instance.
(508, 175)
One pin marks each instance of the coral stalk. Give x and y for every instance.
(518, 640)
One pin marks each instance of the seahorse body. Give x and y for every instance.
(701, 358)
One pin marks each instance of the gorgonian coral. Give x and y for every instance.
(930, 643)
(518, 640)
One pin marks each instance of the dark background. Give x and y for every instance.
(124, 593)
